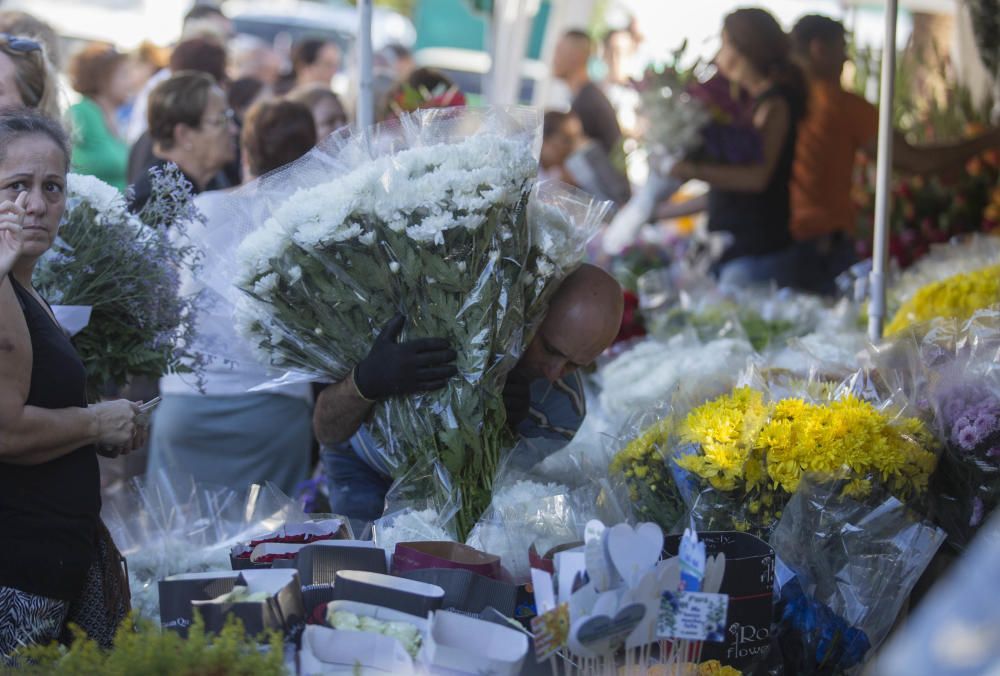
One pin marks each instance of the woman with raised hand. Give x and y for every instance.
(61, 563)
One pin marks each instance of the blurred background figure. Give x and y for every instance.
(202, 22)
(590, 105)
(102, 76)
(243, 94)
(207, 21)
(327, 110)
(568, 155)
(191, 125)
(250, 56)
(315, 61)
(197, 54)
(392, 64)
(26, 76)
(144, 63)
(224, 434)
(619, 52)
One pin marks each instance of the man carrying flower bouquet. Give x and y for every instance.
(837, 126)
(543, 396)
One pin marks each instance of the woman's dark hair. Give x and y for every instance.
(760, 39)
(553, 122)
(17, 123)
(310, 95)
(307, 51)
(180, 99)
(243, 91)
(276, 133)
(200, 54)
(92, 68)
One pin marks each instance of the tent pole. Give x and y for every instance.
(883, 181)
(366, 107)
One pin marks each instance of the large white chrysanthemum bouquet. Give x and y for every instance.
(437, 217)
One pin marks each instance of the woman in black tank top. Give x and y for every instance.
(49, 481)
(750, 203)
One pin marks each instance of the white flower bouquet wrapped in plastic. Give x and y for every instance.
(435, 217)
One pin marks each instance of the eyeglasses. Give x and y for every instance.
(223, 120)
(19, 44)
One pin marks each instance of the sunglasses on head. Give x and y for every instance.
(19, 44)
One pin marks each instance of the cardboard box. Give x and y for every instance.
(396, 593)
(327, 651)
(319, 562)
(178, 591)
(467, 592)
(283, 610)
(419, 555)
(460, 644)
(749, 582)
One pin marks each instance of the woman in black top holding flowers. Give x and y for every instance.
(58, 561)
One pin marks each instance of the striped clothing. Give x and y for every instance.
(556, 413)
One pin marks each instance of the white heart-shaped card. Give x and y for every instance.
(634, 551)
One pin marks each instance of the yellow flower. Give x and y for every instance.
(959, 297)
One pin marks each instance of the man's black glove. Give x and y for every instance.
(517, 397)
(393, 369)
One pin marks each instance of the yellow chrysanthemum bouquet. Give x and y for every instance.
(642, 465)
(958, 296)
(741, 456)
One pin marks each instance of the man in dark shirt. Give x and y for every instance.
(590, 104)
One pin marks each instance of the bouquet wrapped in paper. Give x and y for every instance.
(740, 457)
(848, 566)
(435, 216)
(125, 268)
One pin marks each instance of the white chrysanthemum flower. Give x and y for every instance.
(367, 238)
(394, 267)
(103, 197)
(266, 284)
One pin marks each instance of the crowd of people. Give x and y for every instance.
(225, 110)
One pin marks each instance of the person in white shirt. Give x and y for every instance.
(225, 434)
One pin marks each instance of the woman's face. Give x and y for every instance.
(328, 117)
(36, 165)
(729, 61)
(120, 85)
(10, 95)
(213, 144)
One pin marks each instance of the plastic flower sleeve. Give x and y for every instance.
(420, 506)
(855, 564)
(965, 399)
(426, 216)
(167, 525)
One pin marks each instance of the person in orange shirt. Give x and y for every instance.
(839, 124)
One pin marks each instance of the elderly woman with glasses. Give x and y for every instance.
(27, 78)
(193, 127)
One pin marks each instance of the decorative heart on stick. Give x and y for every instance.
(604, 634)
(633, 552)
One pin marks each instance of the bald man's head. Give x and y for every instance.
(584, 317)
